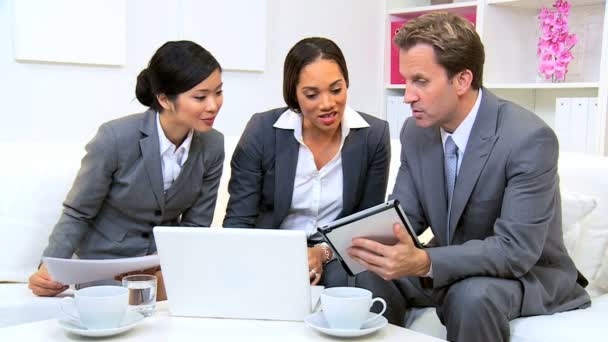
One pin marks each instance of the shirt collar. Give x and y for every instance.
(463, 131)
(292, 120)
(166, 145)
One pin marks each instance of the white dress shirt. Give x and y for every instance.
(172, 157)
(461, 138)
(317, 194)
(462, 132)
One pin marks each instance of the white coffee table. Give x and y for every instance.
(163, 327)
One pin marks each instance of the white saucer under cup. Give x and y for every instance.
(318, 322)
(130, 320)
(348, 307)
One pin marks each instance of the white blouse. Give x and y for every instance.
(317, 194)
(172, 158)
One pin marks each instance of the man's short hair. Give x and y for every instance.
(456, 44)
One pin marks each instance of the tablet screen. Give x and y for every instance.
(375, 223)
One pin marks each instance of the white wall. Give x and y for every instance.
(62, 102)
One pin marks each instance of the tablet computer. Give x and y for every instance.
(375, 223)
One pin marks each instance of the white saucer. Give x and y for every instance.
(317, 322)
(131, 319)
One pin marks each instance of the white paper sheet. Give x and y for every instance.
(75, 271)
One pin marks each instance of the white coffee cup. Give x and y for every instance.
(98, 307)
(348, 307)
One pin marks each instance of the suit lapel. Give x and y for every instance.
(479, 146)
(286, 161)
(434, 180)
(150, 151)
(353, 153)
(193, 157)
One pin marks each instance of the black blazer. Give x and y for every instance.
(264, 168)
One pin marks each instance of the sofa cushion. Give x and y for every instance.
(589, 250)
(31, 199)
(577, 325)
(230, 143)
(586, 174)
(575, 208)
(601, 278)
(23, 241)
(585, 239)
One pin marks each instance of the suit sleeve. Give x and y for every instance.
(201, 212)
(245, 186)
(405, 191)
(374, 190)
(86, 196)
(528, 207)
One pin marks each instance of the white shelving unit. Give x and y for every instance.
(569, 85)
(509, 30)
(433, 8)
(535, 4)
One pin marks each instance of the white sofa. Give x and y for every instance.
(39, 175)
(584, 188)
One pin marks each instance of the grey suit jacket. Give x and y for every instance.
(118, 194)
(506, 215)
(264, 168)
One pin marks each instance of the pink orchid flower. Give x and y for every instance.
(555, 41)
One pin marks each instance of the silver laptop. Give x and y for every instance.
(235, 273)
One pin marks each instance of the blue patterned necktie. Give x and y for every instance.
(450, 165)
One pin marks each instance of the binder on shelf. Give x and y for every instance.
(577, 124)
(593, 127)
(396, 77)
(396, 113)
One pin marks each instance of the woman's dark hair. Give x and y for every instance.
(305, 52)
(176, 67)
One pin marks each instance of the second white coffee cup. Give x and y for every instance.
(348, 307)
(98, 307)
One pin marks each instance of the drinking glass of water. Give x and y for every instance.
(142, 293)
